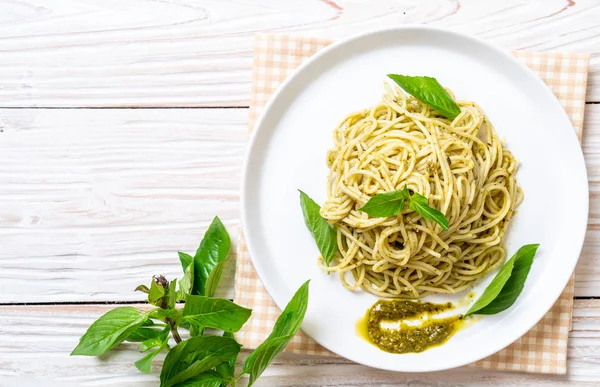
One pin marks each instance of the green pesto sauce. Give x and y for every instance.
(431, 332)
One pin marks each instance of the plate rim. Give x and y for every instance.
(556, 291)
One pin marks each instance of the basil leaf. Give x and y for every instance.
(156, 293)
(142, 288)
(218, 313)
(213, 279)
(109, 331)
(430, 92)
(226, 370)
(195, 330)
(284, 330)
(269, 349)
(504, 289)
(155, 341)
(420, 204)
(386, 204)
(185, 283)
(295, 310)
(195, 356)
(147, 345)
(172, 296)
(392, 203)
(161, 341)
(185, 259)
(148, 323)
(321, 231)
(145, 363)
(205, 379)
(213, 249)
(144, 333)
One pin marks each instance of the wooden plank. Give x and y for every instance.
(199, 52)
(93, 202)
(37, 340)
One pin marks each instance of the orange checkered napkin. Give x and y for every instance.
(544, 348)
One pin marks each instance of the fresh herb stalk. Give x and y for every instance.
(199, 360)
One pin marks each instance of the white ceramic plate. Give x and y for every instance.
(287, 152)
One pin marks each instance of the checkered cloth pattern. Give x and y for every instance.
(544, 348)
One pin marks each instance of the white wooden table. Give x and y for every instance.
(122, 132)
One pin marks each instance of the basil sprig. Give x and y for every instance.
(504, 289)
(200, 360)
(386, 204)
(429, 91)
(392, 203)
(320, 229)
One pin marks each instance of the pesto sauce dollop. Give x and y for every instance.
(408, 338)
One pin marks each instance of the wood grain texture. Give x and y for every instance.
(93, 202)
(199, 52)
(36, 341)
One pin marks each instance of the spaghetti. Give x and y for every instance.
(460, 165)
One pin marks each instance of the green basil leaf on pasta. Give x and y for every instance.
(430, 92)
(109, 331)
(218, 313)
(213, 249)
(284, 330)
(504, 289)
(386, 204)
(320, 229)
(420, 204)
